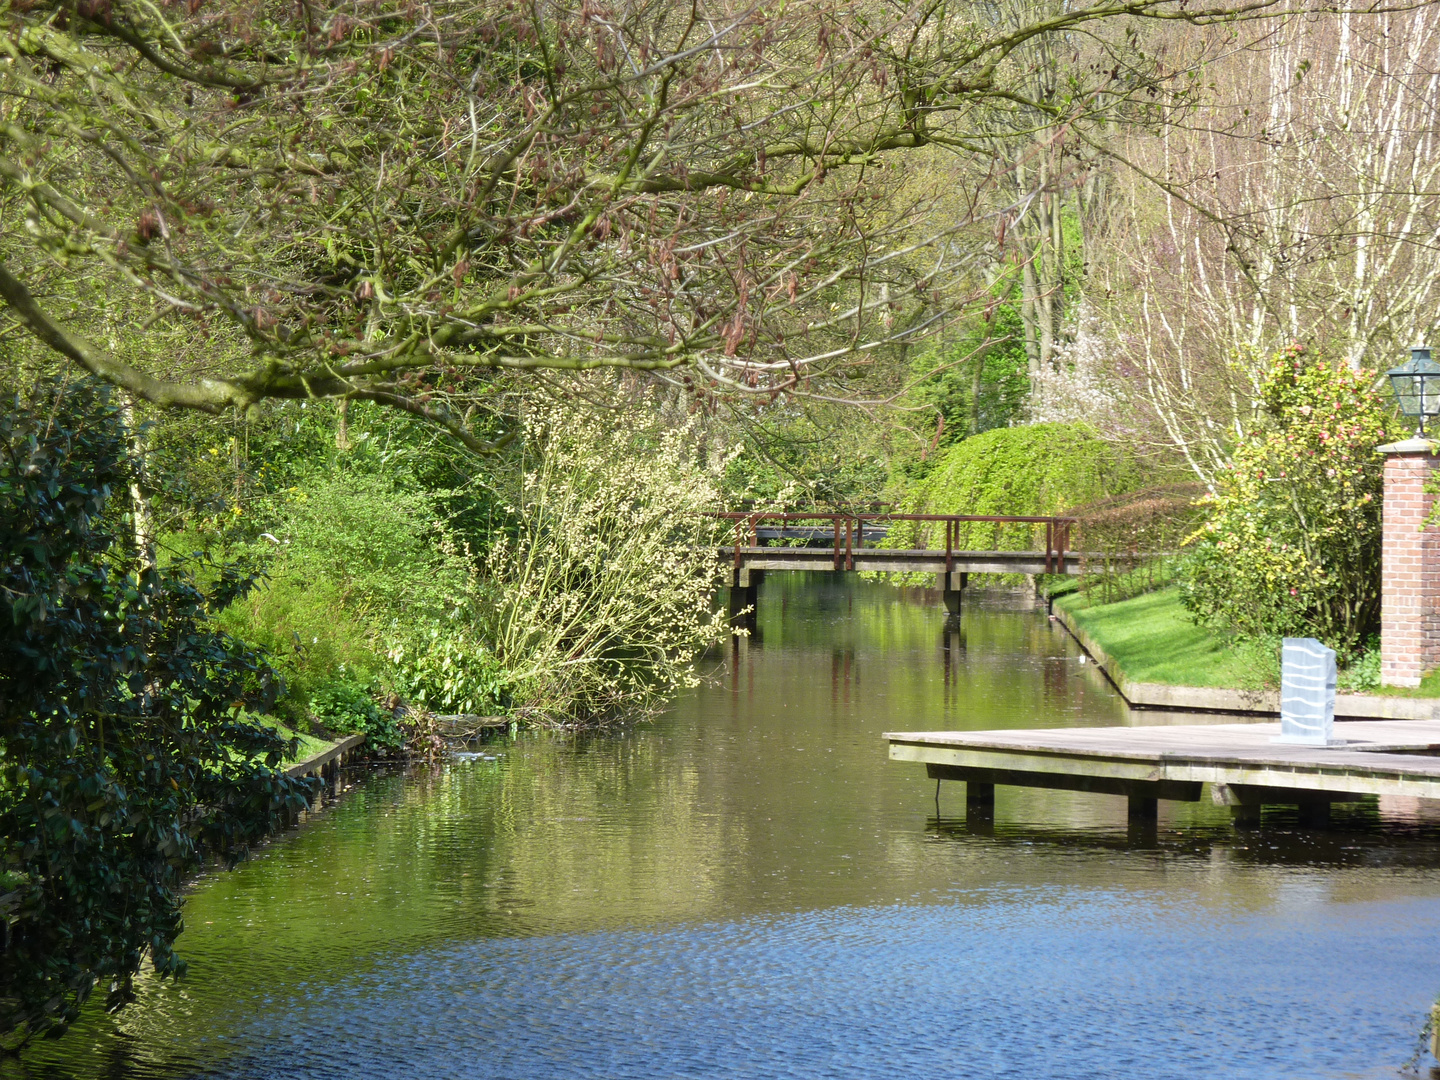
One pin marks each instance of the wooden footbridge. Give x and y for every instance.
(841, 542)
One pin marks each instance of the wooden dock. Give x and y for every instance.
(1243, 768)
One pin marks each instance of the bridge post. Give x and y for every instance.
(744, 592)
(952, 590)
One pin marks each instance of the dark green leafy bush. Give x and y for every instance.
(347, 708)
(450, 672)
(127, 759)
(356, 561)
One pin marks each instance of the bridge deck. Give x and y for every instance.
(1243, 765)
(901, 560)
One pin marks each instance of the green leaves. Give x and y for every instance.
(346, 707)
(1292, 544)
(126, 763)
(450, 672)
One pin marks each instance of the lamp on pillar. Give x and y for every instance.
(1409, 548)
(1417, 387)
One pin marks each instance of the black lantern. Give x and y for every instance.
(1417, 386)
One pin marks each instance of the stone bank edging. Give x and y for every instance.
(337, 753)
(1256, 702)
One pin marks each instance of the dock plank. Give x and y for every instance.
(1400, 757)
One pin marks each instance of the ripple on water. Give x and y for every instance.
(1075, 985)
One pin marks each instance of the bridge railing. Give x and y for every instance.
(845, 528)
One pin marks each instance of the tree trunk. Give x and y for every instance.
(141, 512)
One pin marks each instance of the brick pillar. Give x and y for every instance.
(1409, 566)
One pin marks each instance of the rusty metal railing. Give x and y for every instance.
(747, 524)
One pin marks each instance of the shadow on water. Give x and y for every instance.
(748, 888)
(1359, 837)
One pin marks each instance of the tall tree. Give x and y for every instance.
(372, 200)
(1298, 204)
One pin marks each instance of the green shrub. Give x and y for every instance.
(386, 549)
(1036, 470)
(309, 634)
(348, 708)
(128, 754)
(356, 560)
(1364, 670)
(450, 671)
(603, 597)
(1292, 544)
(344, 707)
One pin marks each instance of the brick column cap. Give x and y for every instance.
(1414, 445)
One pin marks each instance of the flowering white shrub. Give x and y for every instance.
(604, 595)
(1080, 388)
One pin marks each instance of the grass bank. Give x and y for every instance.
(307, 746)
(1151, 639)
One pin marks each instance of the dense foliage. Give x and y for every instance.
(127, 755)
(360, 562)
(1037, 469)
(1292, 544)
(804, 457)
(974, 380)
(603, 594)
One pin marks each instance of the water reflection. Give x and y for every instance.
(749, 888)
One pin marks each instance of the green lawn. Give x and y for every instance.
(1151, 639)
(1429, 687)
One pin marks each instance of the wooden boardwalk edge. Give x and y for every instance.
(1385, 757)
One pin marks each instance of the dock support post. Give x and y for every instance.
(1144, 809)
(744, 593)
(979, 798)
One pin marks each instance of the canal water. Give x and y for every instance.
(748, 888)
